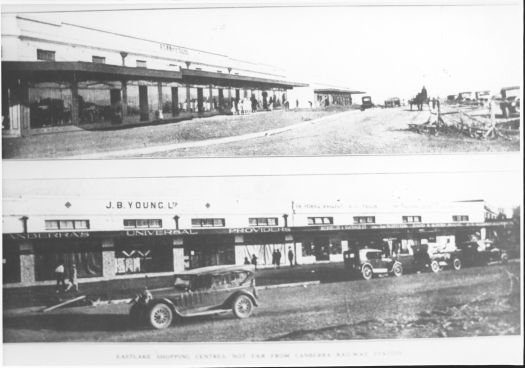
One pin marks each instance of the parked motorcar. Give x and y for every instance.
(198, 292)
(393, 102)
(510, 101)
(469, 253)
(482, 252)
(370, 262)
(366, 103)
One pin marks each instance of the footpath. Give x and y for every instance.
(37, 297)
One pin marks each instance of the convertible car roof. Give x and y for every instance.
(218, 269)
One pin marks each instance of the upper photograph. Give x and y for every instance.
(179, 81)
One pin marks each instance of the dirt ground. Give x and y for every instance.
(471, 302)
(373, 131)
(90, 141)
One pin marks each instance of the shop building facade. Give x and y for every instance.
(126, 238)
(58, 76)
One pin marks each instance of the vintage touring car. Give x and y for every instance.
(369, 262)
(198, 292)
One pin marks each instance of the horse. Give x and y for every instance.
(419, 100)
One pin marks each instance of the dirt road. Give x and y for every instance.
(474, 301)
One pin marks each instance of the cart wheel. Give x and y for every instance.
(242, 306)
(160, 316)
(367, 272)
(397, 270)
(434, 266)
(456, 264)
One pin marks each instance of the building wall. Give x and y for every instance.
(235, 214)
(22, 36)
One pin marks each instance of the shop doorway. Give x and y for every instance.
(143, 103)
(206, 250)
(115, 100)
(318, 247)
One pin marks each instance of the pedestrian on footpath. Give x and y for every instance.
(274, 258)
(290, 256)
(246, 261)
(73, 278)
(254, 261)
(278, 258)
(59, 275)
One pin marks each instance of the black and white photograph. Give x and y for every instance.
(269, 81)
(262, 183)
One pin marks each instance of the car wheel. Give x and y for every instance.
(397, 270)
(456, 264)
(434, 266)
(242, 306)
(504, 258)
(137, 315)
(367, 272)
(160, 316)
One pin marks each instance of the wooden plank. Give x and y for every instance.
(70, 301)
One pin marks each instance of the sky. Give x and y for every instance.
(374, 189)
(385, 51)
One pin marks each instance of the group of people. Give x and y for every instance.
(276, 258)
(72, 282)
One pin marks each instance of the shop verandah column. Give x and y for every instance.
(109, 264)
(124, 98)
(160, 113)
(27, 263)
(75, 108)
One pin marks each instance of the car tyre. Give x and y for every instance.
(456, 264)
(367, 273)
(242, 306)
(397, 270)
(434, 266)
(160, 316)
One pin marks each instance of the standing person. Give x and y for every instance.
(254, 103)
(274, 258)
(290, 256)
(246, 261)
(59, 275)
(73, 278)
(296, 104)
(278, 258)
(254, 260)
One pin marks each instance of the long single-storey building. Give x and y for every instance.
(58, 76)
(129, 237)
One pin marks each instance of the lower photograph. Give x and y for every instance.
(252, 259)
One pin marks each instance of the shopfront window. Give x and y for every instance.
(86, 255)
(66, 224)
(215, 98)
(460, 218)
(206, 103)
(147, 256)
(143, 223)
(208, 222)
(193, 99)
(183, 102)
(320, 220)
(364, 219)
(263, 221)
(410, 219)
(49, 104)
(98, 102)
